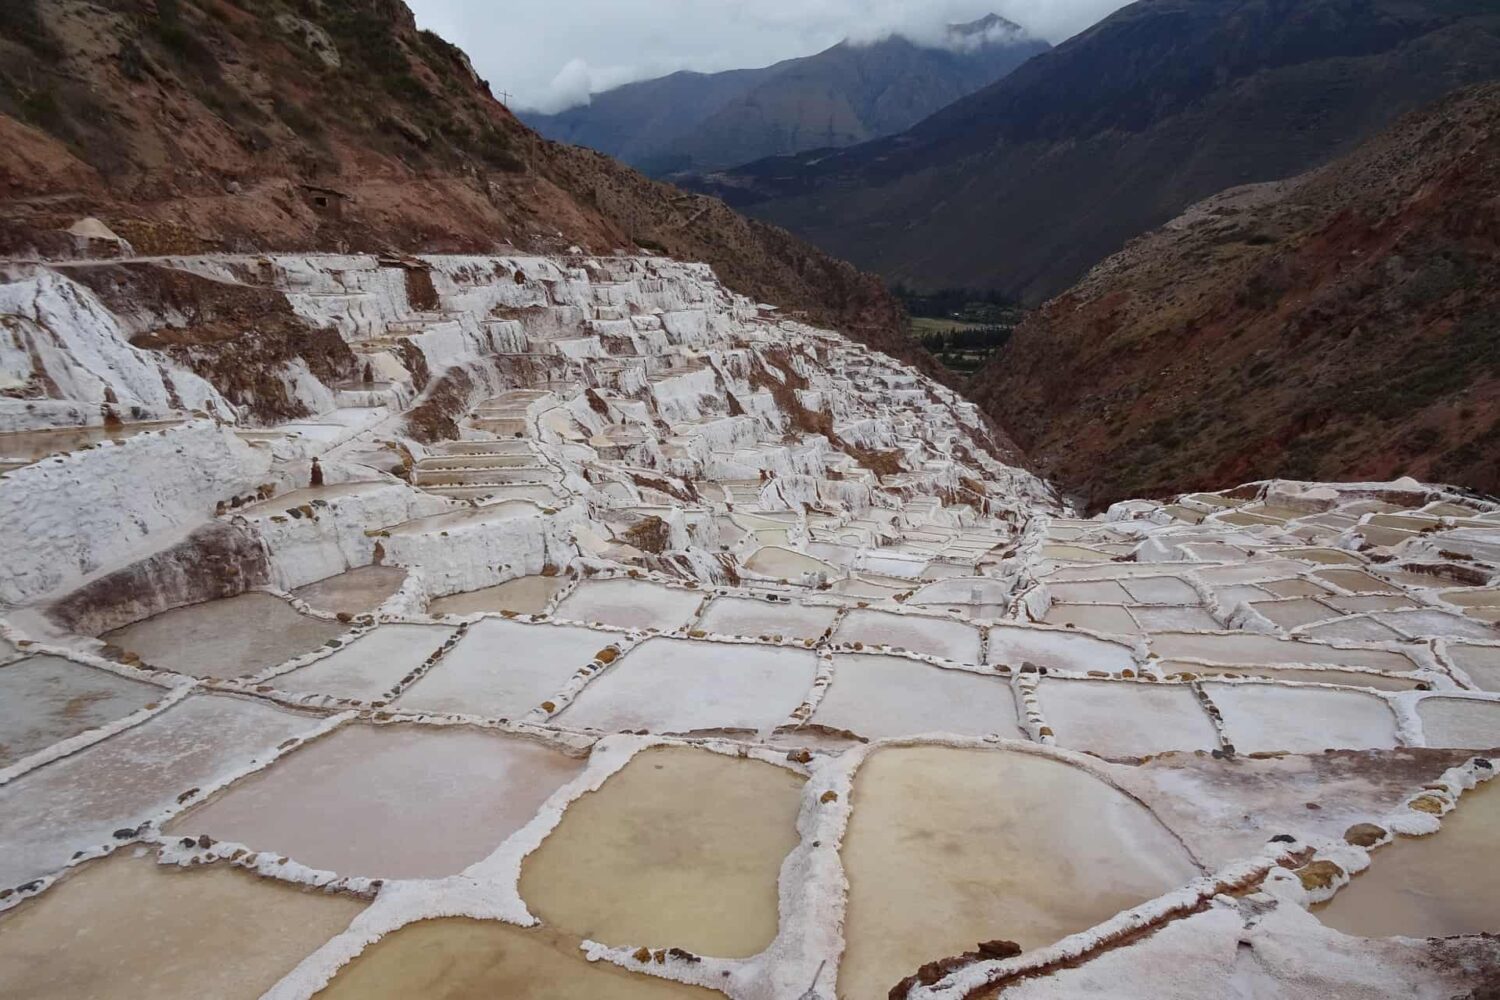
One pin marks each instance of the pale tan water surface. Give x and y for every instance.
(947, 848)
(389, 801)
(681, 848)
(1444, 884)
(528, 595)
(226, 638)
(457, 959)
(355, 592)
(127, 927)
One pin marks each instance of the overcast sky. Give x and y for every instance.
(551, 55)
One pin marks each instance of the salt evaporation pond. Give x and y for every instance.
(947, 848)
(1014, 646)
(503, 669)
(527, 595)
(1231, 648)
(388, 801)
(1481, 663)
(226, 638)
(357, 592)
(370, 666)
(133, 928)
(1460, 722)
(46, 699)
(1435, 886)
(1125, 719)
(459, 959)
(1347, 678)
(880, 696)
(78, 802)
(750, 617)
(681, 848)
(630, 604)
(678, 686)
(1269, 717)
(933, 636)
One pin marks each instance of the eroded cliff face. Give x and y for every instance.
(1340, 324)
(191, 126)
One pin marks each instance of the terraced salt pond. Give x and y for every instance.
(932, 636)
(370, 666)
(227, 638)
(880, 696)
(680, 686)
(1267, 717)
(77, 803)
(1026, 719)
(947, 848)
(45, 699)
(426, 802)
(1013, 646)
(751, 617)
(503, 669)
(1442, 884)
(630, 604)
(1123, 719)
(457, 959)
(1230, 648)
(134, 928)
(680, 848)
(356, 592)
(1460, 722)
(1481, 663)
(527, 595)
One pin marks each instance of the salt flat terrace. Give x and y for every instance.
(616, 636)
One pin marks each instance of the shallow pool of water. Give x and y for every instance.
(128, 927)
(681, 848)
(458, 959)
(45, 699)
(947, 848)
(388, 801)
(528, 595)
(227, 638)
(356, 592)
(1435, 886)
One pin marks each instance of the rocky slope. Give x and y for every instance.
(1025, 185)
(1340, 324)
(847, 94)
(199, 125)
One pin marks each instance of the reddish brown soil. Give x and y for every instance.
(1342, 325)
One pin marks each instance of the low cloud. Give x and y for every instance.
(549, 58)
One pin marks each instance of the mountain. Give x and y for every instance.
(1026, 184)
(1345, 324)
(189, 126)
(841, 96)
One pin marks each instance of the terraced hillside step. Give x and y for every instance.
(480, 461)
(471, 477)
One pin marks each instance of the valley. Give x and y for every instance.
(438, 561)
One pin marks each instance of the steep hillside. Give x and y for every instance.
(1342, 324)
(843, 95)
(198, 125)
(1026, 184)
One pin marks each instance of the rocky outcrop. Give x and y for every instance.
(215, 561)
